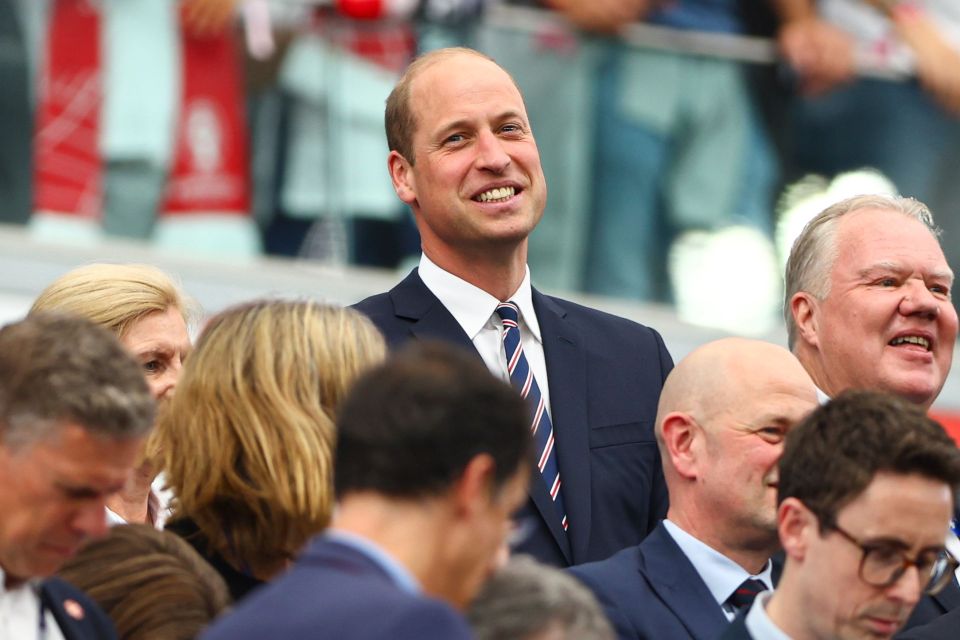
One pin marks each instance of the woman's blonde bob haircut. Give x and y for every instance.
(113, 295)
(247, 441)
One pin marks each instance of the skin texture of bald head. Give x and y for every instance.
(724, 413)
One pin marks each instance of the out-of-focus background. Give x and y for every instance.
(239, 144)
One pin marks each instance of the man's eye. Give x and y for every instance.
(888, 282)
(940, 289)
(771, 434)
(152, 366)
(457, 137)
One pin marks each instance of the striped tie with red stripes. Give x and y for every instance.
(521, 376)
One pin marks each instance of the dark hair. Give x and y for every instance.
(56, 367)
(151, 583)
(409, 428)
(833, 455)
(525, 598)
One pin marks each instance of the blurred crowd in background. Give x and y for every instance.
(678, 136)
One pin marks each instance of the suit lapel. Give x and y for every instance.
(429, 319)
(567, 382)
(674, 579)
(949, 596)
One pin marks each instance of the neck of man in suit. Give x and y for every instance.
(496, 267)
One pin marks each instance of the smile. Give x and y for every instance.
(499, 194)
(917, 340)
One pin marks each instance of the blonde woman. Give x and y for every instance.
(247, 442)
(148, 313)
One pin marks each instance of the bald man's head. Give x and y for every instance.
(724, 412)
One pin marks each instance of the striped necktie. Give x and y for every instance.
(521, 376)
(745, 594)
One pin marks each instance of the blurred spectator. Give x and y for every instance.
(247, 442)
(526, 600)
(140, 124)
(74, 410)
(842, 122)
(151, 583)
(147, 312)
(432, 459)
(334, 201)
(678, 143)
(16, 117)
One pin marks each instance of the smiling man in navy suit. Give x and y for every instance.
(724, 413)
(463, 157)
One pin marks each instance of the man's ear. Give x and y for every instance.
(805, 307)
(401, 173)
(474, 490)
(795, 525)
(681, 439)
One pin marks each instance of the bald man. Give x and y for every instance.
(722, 418)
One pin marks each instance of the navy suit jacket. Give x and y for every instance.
(78, 617)
(336, 592)
(652, 592)
(946, 627)
(737, 630)
(604, 375)
(931, 608)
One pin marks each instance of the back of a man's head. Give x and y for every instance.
(56, 368)
(526, 600)
(409, 428)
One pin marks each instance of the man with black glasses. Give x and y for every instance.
(867, 488)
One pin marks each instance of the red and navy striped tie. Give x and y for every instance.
(521, 375)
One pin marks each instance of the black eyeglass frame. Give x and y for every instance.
(936, 582)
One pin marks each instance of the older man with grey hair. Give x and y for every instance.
(867, 301)
(867, 305)
(74, 412)
(527, 600)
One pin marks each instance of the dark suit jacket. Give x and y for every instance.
(931, 608)
(945, 627)
(652, 592)
(604, 375)
(335, 592)
(737, 630)
(78, 617)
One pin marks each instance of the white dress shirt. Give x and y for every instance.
(20, 613)
(721, 574)
(759, 623)
(475, 311)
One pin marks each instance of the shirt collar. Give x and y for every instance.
(822, 397)
(471, 306)
(759, 623)
(721, 574)
(397, 572)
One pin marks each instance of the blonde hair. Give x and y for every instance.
(151, 583)
(247, 441)
(113, 295)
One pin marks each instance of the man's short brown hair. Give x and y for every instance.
(833, 455)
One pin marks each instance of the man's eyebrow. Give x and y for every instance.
(884, 265)
(466, 123)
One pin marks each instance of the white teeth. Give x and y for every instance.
(496, 194)
(923, 342)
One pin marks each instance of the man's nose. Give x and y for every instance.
(908, 587)
(491, 154)
(919, 300)
(91, 519)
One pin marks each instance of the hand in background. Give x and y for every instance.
(821, 54)
(203, 18)
(602, 16)
(938, 63)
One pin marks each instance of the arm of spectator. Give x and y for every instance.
(207, 17)
(937, 61)
(602, 16)
(821, 54)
